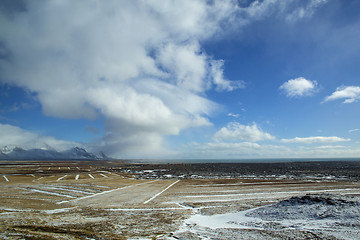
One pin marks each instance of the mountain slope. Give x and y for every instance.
(18, 153)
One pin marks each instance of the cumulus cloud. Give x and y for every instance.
(195, 71)
(299, 87)
(237, 131)
(318, 139)
(15, 136)
(349, 93)
(139, 64)
(220, 82)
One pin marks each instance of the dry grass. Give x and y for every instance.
(112, 207)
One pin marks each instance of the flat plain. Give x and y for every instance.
(120, 200)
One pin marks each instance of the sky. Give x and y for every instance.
(182, 79)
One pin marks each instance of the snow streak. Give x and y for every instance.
(61, 178)
(97, 194)
(48, 192)
(156, 195)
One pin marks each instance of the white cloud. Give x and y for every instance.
(221, 146)
(330, 147)
(318, 139)
(139, 64)
(188, 64)
(305, 11)
(291, 10)
(354, 130)
(218, 79)
(234, 150)
(235, 115)
(15, 136)
(299, 87)
(350, 93)
(326, 151)
(194, 70)
(249, 150)
(237, 131)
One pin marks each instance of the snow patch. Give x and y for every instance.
(59, 210)
(334, 215)
(311, 207)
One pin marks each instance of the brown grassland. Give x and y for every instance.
(117, 200)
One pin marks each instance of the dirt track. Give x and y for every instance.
(101, 200)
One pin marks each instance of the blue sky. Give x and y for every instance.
(182, 79)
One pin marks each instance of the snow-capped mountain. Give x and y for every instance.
(80, 153)
(18, 153)
(2, 155)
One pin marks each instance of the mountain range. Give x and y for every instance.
(18, 153)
